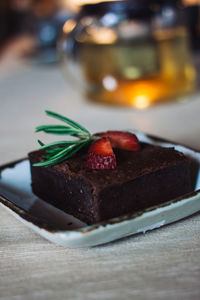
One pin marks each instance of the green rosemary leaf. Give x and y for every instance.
(59, 151)
(61, 156)
(63, 130)
(63, 151)
(76, 149)
(67, 120)
(53, 127)
(59, 143)
(53, 150)
(48, 162)
(53, 159)
(71, 132)
(41, 143)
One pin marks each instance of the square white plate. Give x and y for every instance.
(17, 197)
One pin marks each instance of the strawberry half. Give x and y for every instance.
(122, 140)
(100, 155)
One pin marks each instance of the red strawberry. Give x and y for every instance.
(122, 140)
(100, 155)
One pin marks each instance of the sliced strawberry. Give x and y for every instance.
(100, 155)
(122, 140)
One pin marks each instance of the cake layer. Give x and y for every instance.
(142, 179)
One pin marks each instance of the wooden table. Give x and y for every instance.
(162, 264)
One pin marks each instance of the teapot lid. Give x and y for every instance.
(137, 9)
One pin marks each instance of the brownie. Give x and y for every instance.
(141, 179)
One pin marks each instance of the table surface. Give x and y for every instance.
(162, 264)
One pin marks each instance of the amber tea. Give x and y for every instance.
(139, 72)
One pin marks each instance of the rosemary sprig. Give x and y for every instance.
(59, 151)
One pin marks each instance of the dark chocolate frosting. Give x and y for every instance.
(130, 164)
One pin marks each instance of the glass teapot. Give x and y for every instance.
(128, 52)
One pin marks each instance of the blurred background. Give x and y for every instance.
(103, 63)
(19, 17)
(134, 53)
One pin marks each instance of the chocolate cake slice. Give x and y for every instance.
(141, 179)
